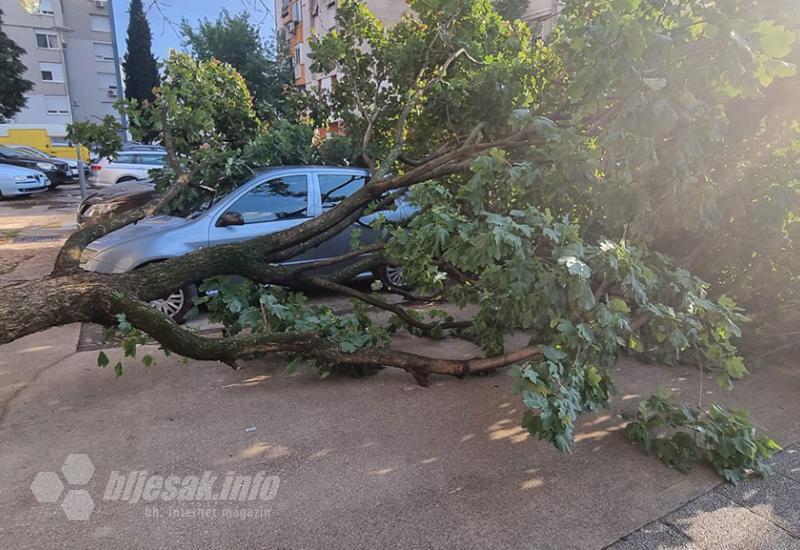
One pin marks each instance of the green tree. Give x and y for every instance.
(511, 9)
(550, 180)
(12, 95)
(236, 40)
(139, 65)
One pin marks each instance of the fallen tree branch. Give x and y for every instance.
(227, 350)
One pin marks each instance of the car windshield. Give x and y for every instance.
(9, 152)
(37, 153)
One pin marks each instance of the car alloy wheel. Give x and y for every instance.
(172, 305)
(394, 274)
(392, 277)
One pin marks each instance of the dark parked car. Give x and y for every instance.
(115, 200)
(57, 171)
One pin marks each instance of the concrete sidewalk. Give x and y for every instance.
(760, 514)
(371, 463)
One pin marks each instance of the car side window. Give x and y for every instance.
(150, 158)
(283, 198)
(127, 158)
(337, 187)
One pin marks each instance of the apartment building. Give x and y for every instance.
(71, 57)
(541, 15)
(299, 20)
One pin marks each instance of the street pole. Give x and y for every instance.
(81, 175)
(123, 118)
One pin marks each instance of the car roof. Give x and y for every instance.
(298, 167)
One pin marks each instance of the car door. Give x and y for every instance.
(275, 204)
(125, 164)
(333, 188)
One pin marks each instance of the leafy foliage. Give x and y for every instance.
(104, 138)
(511, 9)
(273, 310)
(15, 85)
(680, 435)
(236, 40)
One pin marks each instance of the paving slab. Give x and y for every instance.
(787, 463)
(654, 536)
(776, 499)
(713, 521)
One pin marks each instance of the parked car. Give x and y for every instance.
(275, 199)
(115, 200)
(127, 165)
(17, 181)
(57, 171)
(136, 146)
(34, 152)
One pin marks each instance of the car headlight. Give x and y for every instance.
(21, 178)
(45, 166)
(97, 210)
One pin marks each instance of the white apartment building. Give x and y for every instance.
(71, 57)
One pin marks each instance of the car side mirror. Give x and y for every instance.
(230, 218)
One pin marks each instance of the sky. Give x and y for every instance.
(165, 17)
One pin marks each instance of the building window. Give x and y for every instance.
(56, 105)
(37, 7)
(47, 40)
(103, 51)
(298, 55)
(297, 12)
(52, 72)
(101, 23)
(108, 83)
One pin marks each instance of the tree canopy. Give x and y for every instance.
(563, 188)
(15, 85)
(237, 41)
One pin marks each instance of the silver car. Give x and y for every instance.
(275, 199)
(17, 181)
(127, 165)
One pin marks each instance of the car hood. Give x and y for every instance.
(121, 192)
(143, 228)
(11, 170)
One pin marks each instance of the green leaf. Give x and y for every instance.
(553, 354)
(102, 359)
(776, 40)
(576, 266)
(129, 347)
(118, 369)
(618, 305)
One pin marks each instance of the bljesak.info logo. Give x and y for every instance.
(210, 494)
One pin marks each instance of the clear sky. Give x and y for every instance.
(165, 17)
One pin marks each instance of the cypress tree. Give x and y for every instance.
(139, 65)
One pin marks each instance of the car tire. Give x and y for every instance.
(124, 179)
(177, 304)
(392, 277)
